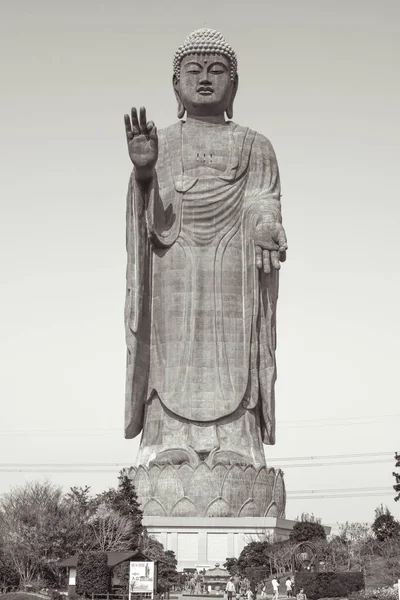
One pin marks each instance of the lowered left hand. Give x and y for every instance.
(270, 245)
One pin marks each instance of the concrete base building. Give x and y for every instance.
(201, 542)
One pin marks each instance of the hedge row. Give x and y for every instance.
(257, 573)
(93, 575)
(328, 584)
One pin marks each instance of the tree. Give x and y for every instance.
(281, 555)
(37, 529)
(308, 518)
(167, 563)
(332, 553)
(123, 501)
(255, 554)
(231, 565)
(396, 487)
(390, 550)
(111, 530)
(306, 531)
(359, 545)
(385, 525)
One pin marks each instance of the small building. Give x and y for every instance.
(113, 559)
(216, 579)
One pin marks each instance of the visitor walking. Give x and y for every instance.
(301, 595)
(275, 588)
(249, 594)
(230, 588)
(289, 588)
(263, 591)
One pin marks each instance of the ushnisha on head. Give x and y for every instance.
(205, 75)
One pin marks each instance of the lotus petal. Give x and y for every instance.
(218, 508)
(154, 508)
(169, 488)
(154, 473)
(185, 473)
(202, 488)
(262, 492)
(219, 474)
(236, 488)
(279, 492)
(142, 485)
(272, 510)
(250, 509)
(270, 485)
(184, 508)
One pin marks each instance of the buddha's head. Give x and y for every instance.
(205, 75)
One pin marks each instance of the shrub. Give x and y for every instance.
(93, 574)
(382, 593)
(306, 531)
(256, 573)
(328, 584)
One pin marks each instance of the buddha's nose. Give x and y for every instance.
(204, 81)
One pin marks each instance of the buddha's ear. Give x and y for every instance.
(229, 108)
(181, 108)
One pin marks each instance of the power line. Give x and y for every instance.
(71, 468)
(331, 496)
(326, 422)
(331, 456)
(273, 460)
(340, 421)
(336, 490)
(111, 466)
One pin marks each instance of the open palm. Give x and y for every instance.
(142, 140)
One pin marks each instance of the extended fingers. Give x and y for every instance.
(142, 120)
(275, 259)
(135, 122)
(259, 263)
(266, 261)
(128, 128)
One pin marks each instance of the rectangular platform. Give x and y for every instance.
(202, 542)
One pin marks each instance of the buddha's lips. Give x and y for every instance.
(205, 90)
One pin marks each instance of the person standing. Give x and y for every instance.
(275, 588)
(249, 594)
(289, 588)
(230, 588)
(301, 595)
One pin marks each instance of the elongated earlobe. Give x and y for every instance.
(229, 108)
(181, 108)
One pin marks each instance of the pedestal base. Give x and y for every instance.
(203, 541)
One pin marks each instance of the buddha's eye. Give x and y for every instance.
(193, 71)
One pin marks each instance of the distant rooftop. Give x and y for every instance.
(113, 558)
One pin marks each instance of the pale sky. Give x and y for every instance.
(319, 78)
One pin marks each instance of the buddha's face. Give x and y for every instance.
(205, 87)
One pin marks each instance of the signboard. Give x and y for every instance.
(142, 579)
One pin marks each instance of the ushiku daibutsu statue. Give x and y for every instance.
(205, 242)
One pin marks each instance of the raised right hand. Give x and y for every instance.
(142, 140)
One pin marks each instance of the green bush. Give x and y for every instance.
(382, 593)
(93, 575)
(256, 573)
(327, 584)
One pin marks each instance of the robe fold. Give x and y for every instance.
(200, 317)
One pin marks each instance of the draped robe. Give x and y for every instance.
(200, 317)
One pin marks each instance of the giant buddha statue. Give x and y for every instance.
(205, 242)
